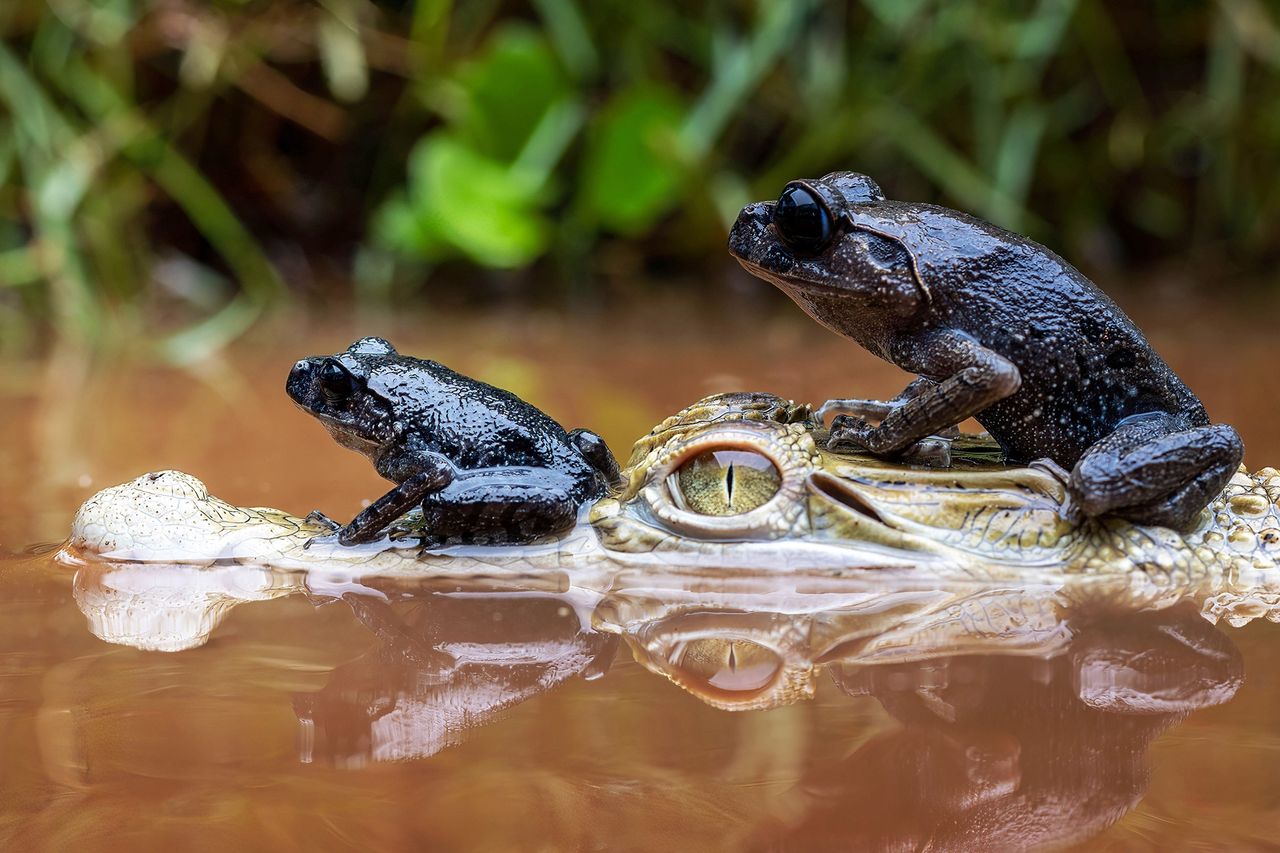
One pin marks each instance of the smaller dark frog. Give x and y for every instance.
(484, 465)
(998, 328)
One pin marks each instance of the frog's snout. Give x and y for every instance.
(299, 380)
(749, 229)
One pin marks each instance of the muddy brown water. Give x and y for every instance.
(432, 720)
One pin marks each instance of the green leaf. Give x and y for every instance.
(632, 173)
(509, 90)
(467, 202)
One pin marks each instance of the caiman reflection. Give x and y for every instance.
(1021, 716)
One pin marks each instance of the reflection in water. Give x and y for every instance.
(168, 607)
(1022, 716)
(1014, 752)
(444, 665)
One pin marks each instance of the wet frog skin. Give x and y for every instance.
(998, 328)
(484, 465)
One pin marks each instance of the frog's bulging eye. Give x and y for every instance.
(729, 665)
(336, 382)
(727, 482)
(802, 219)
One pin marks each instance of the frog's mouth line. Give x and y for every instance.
(793, 286)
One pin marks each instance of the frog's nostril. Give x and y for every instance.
(301, 365)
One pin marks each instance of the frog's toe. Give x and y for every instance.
(322, 539)
(318, 517)
(855, 408)
(849, 434)
(932, 452)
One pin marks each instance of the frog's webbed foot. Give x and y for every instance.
(318, 517)
(878, 410)
(854, 407)
(855, 435)
(931, 452)
(850, 434)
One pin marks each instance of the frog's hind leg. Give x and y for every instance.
(1156, 470)
(501, 506)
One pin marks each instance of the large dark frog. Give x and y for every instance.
(998, 328)
(484, 465)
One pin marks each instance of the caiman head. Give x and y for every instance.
(736, 475)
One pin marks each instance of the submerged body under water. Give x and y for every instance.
(450, 714)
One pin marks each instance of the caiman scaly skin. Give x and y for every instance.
(742, 486)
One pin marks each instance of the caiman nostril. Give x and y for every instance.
(838, 491)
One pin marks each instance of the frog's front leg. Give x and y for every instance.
(861, 407)
(976, 377)
(1156, 469)
(419, 474)
(502, 505)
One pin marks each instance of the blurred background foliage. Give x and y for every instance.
(188, 165)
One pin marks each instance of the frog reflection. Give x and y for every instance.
(999, 751)
(444, 665)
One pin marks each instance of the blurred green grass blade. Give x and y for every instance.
(149, 151)
(56, 177)
(429, 29)
(737, 74)
(548, 142)
(935, 157)
(30, 110)
(1040, 35)
(1016, 159)
(569, 34)
(18, 267)
(895, 14)
(342, 52)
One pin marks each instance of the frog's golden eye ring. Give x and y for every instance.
(335, 381)
(727, 481)
(803, 219)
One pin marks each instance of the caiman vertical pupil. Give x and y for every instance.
(802, 220)
(728, 482)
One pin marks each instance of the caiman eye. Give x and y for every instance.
(336, 382)
(802, 219)
(727, 482)
(731, 665)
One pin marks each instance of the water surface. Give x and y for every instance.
(424, 716)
